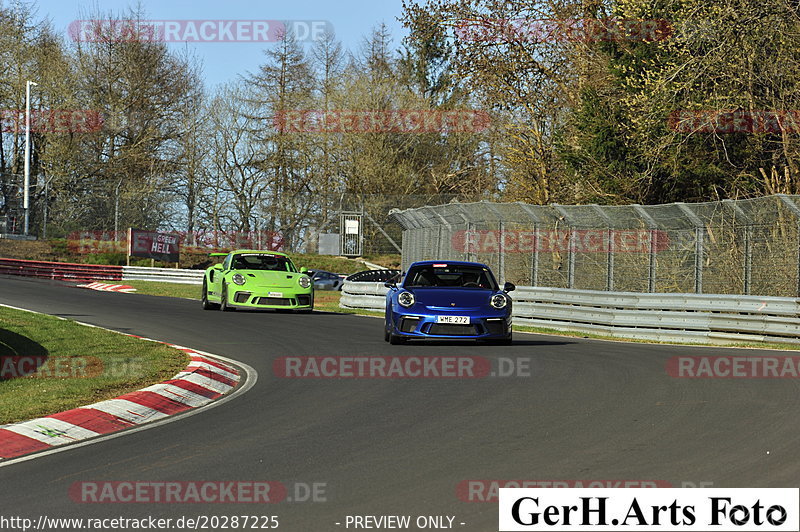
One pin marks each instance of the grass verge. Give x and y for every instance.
(50, 365)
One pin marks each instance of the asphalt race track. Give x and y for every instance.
(590, 410)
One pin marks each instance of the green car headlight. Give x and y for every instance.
(304, 281)
(238, 278)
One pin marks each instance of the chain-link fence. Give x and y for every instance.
(726, 247)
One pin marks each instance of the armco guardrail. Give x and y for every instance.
(60, 270)
(166, 275)
(365, 296)
(689, 318)
(65, 271)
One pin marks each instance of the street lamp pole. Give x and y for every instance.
(27, 182)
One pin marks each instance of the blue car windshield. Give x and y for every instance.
(450, 275)
(253, 261)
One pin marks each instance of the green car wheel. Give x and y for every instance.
(207, 305)
(224, 298)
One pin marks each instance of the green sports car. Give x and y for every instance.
(257, 280)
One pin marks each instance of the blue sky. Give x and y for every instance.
(224, 61)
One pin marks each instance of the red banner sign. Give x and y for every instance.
(151, 245)
(191, 241)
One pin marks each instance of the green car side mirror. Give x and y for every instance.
(303, 270)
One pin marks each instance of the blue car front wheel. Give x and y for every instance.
(389, 336)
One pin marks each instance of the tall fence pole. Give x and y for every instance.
(699, 245)
(501, 252)
(441, 254)
(572, 245)
(470, 254)
(610, 249)
(796, 211)
(535, 253)
(747, 256)
(653, 227)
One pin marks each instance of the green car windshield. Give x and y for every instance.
(264, 262)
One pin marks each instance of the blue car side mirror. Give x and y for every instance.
(390, 284)
(509, 287)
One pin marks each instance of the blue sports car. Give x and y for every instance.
(448, 300)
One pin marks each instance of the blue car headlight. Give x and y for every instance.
(406, 299)
(238, 278)
(498, 301)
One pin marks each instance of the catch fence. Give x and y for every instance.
(747, 246)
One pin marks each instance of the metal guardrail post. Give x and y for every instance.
(796, 211)
(747, 263)
(653, 226)
(699, 245)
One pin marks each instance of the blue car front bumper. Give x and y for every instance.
(414, 325)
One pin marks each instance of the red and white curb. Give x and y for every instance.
(105, 287)
(204, 382)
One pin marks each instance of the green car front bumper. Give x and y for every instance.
(272, 299)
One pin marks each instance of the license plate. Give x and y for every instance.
(458, 320)
(275, 294)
